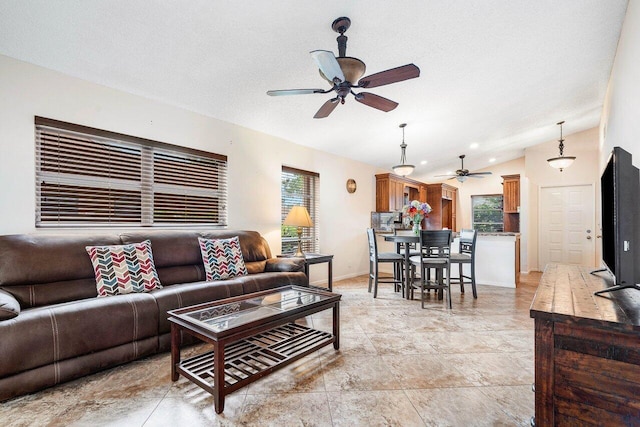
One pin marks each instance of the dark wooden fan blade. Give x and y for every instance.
(293, 92)
(445, 176)
(393, 75)
(376, 101)
(479, 173)
(326, 109)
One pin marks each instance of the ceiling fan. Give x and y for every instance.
(462, 174)
(343, 73)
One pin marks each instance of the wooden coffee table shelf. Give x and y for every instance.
(255, 357)
(252, 335)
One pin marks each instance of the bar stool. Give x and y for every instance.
(376, 257)
(435, 248)
(467, 255)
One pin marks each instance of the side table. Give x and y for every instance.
(317, 259)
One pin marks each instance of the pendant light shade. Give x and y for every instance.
(403, 169)
(561, 161)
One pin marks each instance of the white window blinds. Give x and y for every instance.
(300, 188)
(89, 177)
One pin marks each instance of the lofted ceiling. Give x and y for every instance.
(494, 73)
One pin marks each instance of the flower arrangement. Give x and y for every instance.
(415, 212)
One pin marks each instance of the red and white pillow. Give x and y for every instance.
(222, 258)
(124, 269)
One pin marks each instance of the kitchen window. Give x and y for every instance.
(487, 213)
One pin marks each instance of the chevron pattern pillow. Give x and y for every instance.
(222, 258)
(124, 269)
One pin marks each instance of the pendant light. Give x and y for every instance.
(562, 161)
(403, 169)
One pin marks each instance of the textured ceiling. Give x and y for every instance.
(498, 73)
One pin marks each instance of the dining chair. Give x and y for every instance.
(466, 255)
(413, 250)
(435, 251)
(375, 258)
(402, 247)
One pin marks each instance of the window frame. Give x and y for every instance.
(309, 198)
(199, 200)
(486, 227)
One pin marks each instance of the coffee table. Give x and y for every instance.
(252, 335)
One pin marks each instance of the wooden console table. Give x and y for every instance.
(587, 350)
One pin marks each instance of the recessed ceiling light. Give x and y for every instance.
(424, 162)
(474, 145)
(491, 160)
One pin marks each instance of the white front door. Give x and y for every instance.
(566, 227)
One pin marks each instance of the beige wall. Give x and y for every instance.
(254, 159)
(535, 173)
(582, 145)
(491, 184)
(620, 123)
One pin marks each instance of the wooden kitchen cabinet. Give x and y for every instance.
(511, 193)
(443, 200)
(511, 203)
(393, 192)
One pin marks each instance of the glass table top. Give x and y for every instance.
(227, 316)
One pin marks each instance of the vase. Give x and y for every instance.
(416, 228)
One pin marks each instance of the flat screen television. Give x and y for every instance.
(620, 196)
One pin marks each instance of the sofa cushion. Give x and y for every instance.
(9, 307)
(222, 258)
(263, 281)
(45, 335)
(284, 264)
(42, 269)
(124, 269)
(172, 297)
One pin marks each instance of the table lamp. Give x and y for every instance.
(299, 217)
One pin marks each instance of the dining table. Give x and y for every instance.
(399, 240)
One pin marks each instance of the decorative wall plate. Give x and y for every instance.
(351, 185)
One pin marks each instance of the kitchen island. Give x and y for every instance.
(497, 259)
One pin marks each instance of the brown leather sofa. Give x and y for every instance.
(63, 331)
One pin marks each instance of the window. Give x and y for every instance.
(487, 213)
(300, 188)
(88, 177)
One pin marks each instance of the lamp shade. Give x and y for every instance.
(298, 216)
(403, 170)
(561, 162)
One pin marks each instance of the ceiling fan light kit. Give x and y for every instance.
(403, 169)
(561, 162)
(345, 73)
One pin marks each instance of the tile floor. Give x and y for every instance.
(398, 365)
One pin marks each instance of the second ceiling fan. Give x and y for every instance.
(462, 174)
(344, 73)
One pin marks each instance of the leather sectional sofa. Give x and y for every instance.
(63, 331)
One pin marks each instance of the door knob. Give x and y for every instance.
(588, 237)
